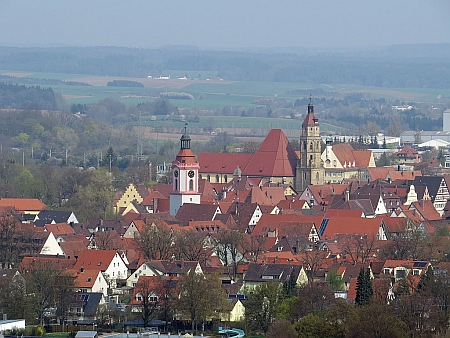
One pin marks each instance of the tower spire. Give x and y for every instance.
(185, 139)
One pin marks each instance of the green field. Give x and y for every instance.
(216, 95)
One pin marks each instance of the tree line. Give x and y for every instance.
(380, 68)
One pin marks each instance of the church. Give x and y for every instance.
(274, 162)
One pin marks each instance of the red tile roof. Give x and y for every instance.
(351, 226)
(95, 258)
(222, 163)
(23, 204)
(274, 157)
(59, 229)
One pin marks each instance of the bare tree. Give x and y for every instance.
(230, 248)
(189, 245)
(313, 260)
(359, 248)
(107, 240)
(156, 241)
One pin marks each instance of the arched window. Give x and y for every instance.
(225, 178)
(191, 184)
(311, 146)
(217, 178)
(176, 184)
(200, 176)
(317, 178)
(208, 178)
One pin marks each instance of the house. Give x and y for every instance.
(400, 269)
(406, 155)
(197, 212)
(155, 289)
(51, 247)
(437, 189)
(341, 162)
(132, 193)
(373, 228)
(91, 281)
(257, 274)
(109, 262)
(162, 268)
(23, 206)
(236, 311)
(54, 216)
(83, 307)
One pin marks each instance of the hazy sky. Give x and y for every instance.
(223, 24)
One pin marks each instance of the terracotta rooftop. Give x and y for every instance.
(23, 204)
(274, 157)
(222, 163)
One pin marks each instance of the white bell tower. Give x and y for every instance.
(184, 177)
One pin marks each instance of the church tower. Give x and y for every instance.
(309, 169)
(184, 177)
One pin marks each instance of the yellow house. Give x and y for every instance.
(236, 314)
(131, 193)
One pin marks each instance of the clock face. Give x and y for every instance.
(191, 173)
(175, 173)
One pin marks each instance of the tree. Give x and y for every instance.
(230, 249)
(376, 320)
(314, 297)
(201, 297)
(110, 159)
(281, 328)
(40, 277)
(155, 240)
(148, 295)
(383, 161)
(189, 246)
(261, 306)
(94, 196)
(364, 291)
(107, 240)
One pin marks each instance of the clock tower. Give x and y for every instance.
(184, 177)
(309, 169)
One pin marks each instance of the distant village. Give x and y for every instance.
(295, 216)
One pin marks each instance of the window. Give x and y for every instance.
(387, 271)
(225, 179)
(191, 184)
(176, 184)
(217, 178)
(208, 178)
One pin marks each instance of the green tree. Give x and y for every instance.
(201, 297)
(364, 291)
(335, 280)
(312, 325)
(383, 160)
(110, 158)
(93, 197)
(262, 305)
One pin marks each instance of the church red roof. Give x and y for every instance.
(274, 157)
(310, 120)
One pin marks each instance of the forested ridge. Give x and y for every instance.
(395, 66)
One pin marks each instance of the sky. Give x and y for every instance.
(217, 24)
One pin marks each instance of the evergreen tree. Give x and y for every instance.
(375, 142)
(384, 143)
(364, 291)
(290, 286)
(426, 280)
